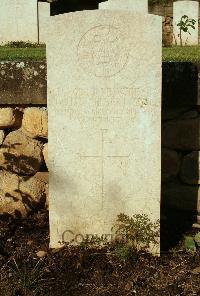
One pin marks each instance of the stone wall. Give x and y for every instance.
(23, 160)
(24, 137)
(23, 82)
(181, 137)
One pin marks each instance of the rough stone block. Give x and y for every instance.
(190, 170)
(7, 117)
(35, 122)
(181, 197)
(21, 154)
(170, 164)
(2, 136)
(19, 195)
(182, 134)
(45, 154)
(180, 84)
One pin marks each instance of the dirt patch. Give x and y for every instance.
(82, 271)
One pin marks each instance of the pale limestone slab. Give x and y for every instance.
(44, 16)
(132, 5)
(104, 98)
(191, 9)
(18, 21)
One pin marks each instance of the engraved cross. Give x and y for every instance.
(102, 158)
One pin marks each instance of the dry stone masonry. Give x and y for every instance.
(23, 172)
(23, 82)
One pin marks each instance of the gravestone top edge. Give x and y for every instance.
(107, 11)
(185, 2)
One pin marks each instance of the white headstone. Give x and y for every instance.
(18, 21)
(190, 9)
(44, 16)
(104, 103)
(134, 5)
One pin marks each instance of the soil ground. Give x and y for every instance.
(82, 271)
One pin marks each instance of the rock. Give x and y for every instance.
(181, 197)
(10, 200)
(196, 270)
(35, 122)
(47, 197)
(190, 170)
(35, 187)
(41, 254)
(45, 153)
(2, 136)
(21, 154)
(170, 164)
(182, 134)
(7, 117)
(190, 114)
(19, 195)
(173, 113)
(30, 242)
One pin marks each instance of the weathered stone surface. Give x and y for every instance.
(44, 17)
(47, 197)
(181, 197)
(20, 195)
(7, 117)
(136, 5)
(35, 122)
(167, 30)
(41, 254)
(104, 119)
(10, 200)
(23, 82)
(190, 170)
(45, 154)
(2, 136)
(35, 186)
(170, 164)
(21, 154)
(182, 134)
(18, 21)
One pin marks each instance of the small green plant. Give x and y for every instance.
(192, 243)
(124, 253)
(28, 281)
(137, 233)
(185, 25)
